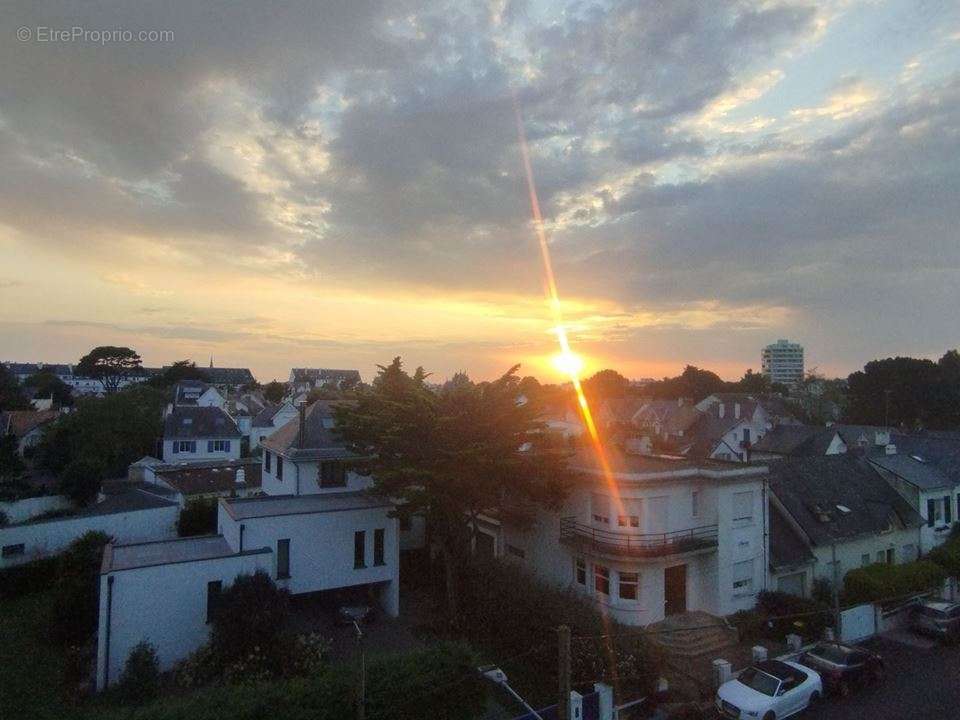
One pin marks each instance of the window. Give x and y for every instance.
(746, 435)
(184, 446)
(695, 503)
(378, 547)
(266, 460)
(743, 576)
(214, 588)
(516, 552)
(11, 550)
(218, 446)
(743, 506)
(279, 467)
(601, 508)
(332, 474)
(580, 572)
(946, 509)
(628, 520)
(628, 584)
(601, 579)
(864, 559)
(359, 549)
(283, 559)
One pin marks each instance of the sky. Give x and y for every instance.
(332, 184)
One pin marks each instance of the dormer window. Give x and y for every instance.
(332, 474)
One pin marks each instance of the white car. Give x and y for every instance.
(769, 690)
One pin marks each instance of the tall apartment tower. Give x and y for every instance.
(782, 362)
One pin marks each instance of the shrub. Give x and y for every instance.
(749, 624)
(881, 581)
(784, 614)
(198, 517)
(140, 680)
(310, 654)
(249, 623)
(81, 480)
(508, 613)
(947, 556)
(197, 669)
(76, 591)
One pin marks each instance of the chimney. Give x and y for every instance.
(736, 410)
(241, 476)
(721, 410)
(890, 449)
(303, 420)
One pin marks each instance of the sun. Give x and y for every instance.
(568, 363)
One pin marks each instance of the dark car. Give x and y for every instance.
(938, 619)
(843, 667)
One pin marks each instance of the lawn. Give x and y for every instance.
(31, 669)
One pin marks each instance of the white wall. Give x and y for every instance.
(850, 553)
(201, 454)
(166, 605)
(48, 537)
(302, 478)
(321, 547)
(22, 510)
(933, 536)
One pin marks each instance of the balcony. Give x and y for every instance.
(636, 545)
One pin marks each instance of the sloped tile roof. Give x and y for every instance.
(199, 422)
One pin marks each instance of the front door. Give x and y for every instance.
(675, 589)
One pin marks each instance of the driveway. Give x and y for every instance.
(922, 681)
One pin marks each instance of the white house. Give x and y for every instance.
(129, 516)
(928, 490)
(318, 531)
(200, 433)
(660, 537)
(196, 393)
(845, 515)
(270, 419)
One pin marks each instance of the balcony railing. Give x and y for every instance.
(637, 544)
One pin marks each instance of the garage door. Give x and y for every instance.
(792, 584)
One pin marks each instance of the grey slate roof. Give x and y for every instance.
(800, 440)
(916, 470)
(165, 552)
(787, 548)
(264, 418)
(228, 376)
(314, 375)
(199, 422)
(181, 388)
(319, 437)
(813, 489)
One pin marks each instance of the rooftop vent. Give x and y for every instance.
(241, 477)
(890, 449)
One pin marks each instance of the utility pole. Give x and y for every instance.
(362, 680)
(563, 672)
(836, 595)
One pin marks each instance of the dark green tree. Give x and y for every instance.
(452, 455)
(50, 386)
(74, 608)
(606, 384)
(251, 614)
(274, 391)
(180, 370)
(11, 396)
(11, 466)
(81, 480)
(691, 383)
(108, 364)
(753, 383)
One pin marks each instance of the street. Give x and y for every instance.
(922, 681)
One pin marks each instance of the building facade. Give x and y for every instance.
(782, 362)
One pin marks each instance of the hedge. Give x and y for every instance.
(881, 581)
(947, 556)
(779, 614)
(440, 683)
(30, 577)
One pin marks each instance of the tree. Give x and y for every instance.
(108, 364)
(11, 466)
(274, 391)
(81, 480)
(180, 370)
(198, 517)
(250, 617)
(753, 383)
(11, 397)
(110, 432)
(140, 680)
(452, 455)
(606, 384)
(691, 383)
(74, 608)
(50, 386)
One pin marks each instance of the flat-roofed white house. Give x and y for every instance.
(660, 537)
(200, 433)
(318, 530)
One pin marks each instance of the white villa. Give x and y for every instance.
(660, 537)
(316, 530)
(200, 433)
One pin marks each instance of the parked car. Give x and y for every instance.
(937, 618)
(769, 690)
(843, 667)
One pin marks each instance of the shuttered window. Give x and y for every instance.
(283, 559)
(378, 547)
(743, 506)
(946, 509)
(359, 549)
(931, 512)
